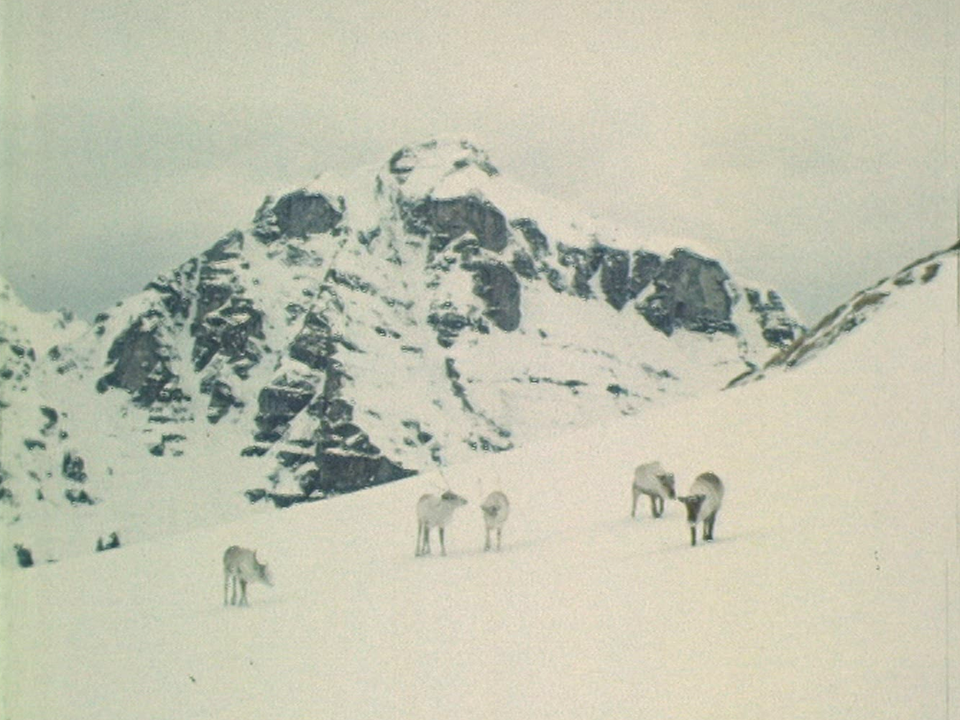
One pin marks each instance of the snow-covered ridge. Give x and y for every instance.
(940, 267)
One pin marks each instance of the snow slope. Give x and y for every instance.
(831, 590)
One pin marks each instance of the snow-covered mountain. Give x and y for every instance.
(829, 591)
(370, 327)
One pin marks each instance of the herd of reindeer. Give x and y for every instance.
(241, 566)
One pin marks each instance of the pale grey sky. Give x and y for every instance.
(814, 144)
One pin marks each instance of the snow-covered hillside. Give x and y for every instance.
(830, 590)
(363, 329)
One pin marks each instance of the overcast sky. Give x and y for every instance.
(813, 143)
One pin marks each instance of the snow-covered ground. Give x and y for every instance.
(832, 588)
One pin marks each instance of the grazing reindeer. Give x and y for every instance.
(435, 512)
(496, 509)
(703, 503)
(652, 480)
(241, 566)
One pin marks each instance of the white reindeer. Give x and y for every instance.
(241, 566)
(496, 509)
(652, 480)
(435, 512)
(703, 503)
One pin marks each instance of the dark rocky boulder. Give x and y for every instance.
(335, 473)
(222, 398)
(229, 332)
(585, 264)
(278, 403)
(779, 329)
(296, 214)
(498, 287)
(447, 219)
(141, 365)
(314, 344)
(690, 293)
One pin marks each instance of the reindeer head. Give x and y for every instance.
(693, 503)
(666, 480)
(449, 496)
(266, 577)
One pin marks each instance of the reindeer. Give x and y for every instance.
(435, 512)
(703, 503)
(652, 480)
(241, 566)
(496, 509)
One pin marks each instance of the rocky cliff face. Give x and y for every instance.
(363, 329)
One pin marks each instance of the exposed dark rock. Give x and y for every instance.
(448, 325)
(136, 353)
(174, 295)
(292, 460)
(229, 247)
(78, 497)
(404, 161)
(779, 329)
(690, 293)
(296, 214)
(336, 474)
(24, 556)
(930, 272)
(141, 366)
(72, 467)
(168, 443)
(646, 265)
(524, 265)
(351, 281)
(222, 399)
(229, 332)
(314, 344)
(447, 219)
(459, 391)
(585, 264)
(300, 213)
(498, 287)
(538, 242)
(52, 417)
(615, 278)
(112, 541)
(279, 403)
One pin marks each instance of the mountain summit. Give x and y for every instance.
(370, 327)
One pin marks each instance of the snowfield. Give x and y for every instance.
(831, 589)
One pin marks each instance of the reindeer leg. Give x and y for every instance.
(633, 511)
(243, 591)
(499, 534)
(693, 535)
(443, 548)
(226, 584)
(708, 526)
(486, 544)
